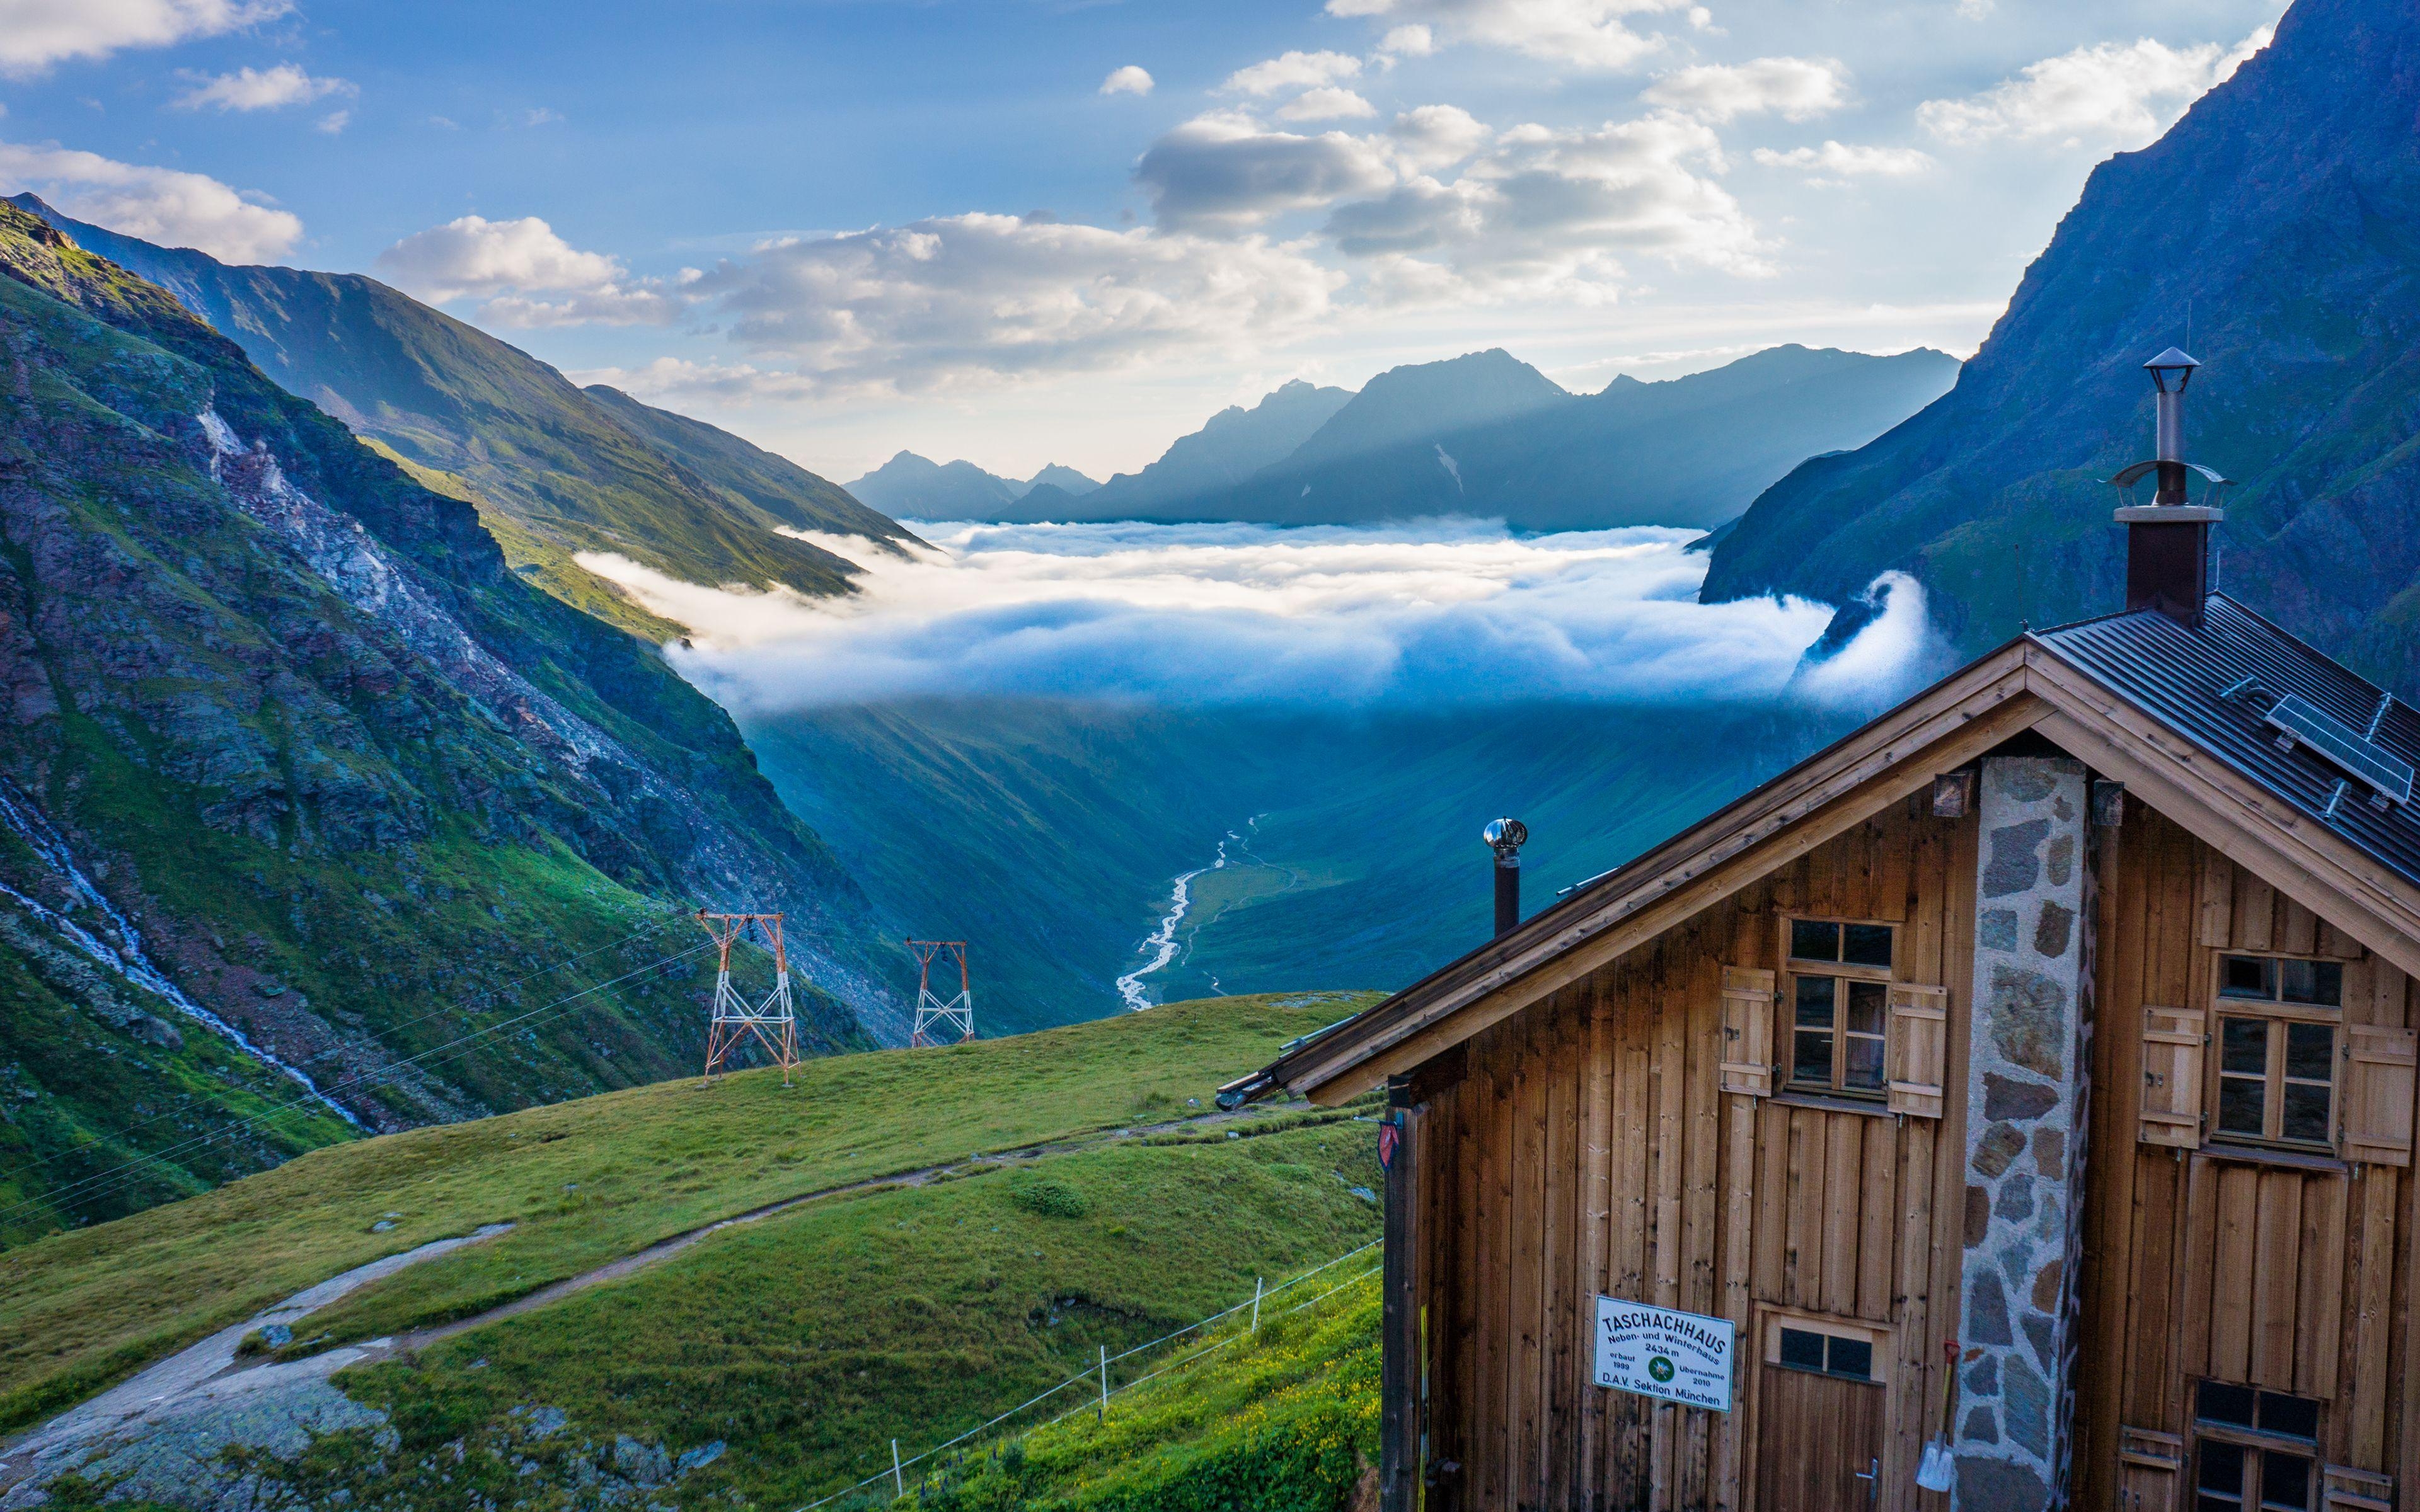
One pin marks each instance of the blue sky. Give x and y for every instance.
(844, 228)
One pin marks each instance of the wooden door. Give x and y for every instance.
(1819, 1442)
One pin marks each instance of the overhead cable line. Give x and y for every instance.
(94, 1185)
(463, 1006)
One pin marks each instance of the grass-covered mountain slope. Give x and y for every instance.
(2281, 217)
(560, 470)
(297, 781)
(1350, 839)
(995, 1213)
(1284, 1415)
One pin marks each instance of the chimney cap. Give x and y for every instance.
(2172, 362)
(1503, 835)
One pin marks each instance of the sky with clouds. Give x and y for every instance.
(1022, 231)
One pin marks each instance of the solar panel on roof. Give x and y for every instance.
(2388, 775)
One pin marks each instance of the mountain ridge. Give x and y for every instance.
(559, 470)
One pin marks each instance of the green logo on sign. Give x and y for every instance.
(1660, 1368)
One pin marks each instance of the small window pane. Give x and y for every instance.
(2243, 1046)
(2289, 1416)
(2242, 1106)
(1802, 1349)
(2305, 1108)
(1853, 1358)
(1864, 1071)
(2207, 1502)
(1812, 1058)
(1869, 1007)
(2313, 981)
(2311, 1051)
(1815, 1000)
(2222, 1468)
(2218, 1402)
(2285, 1480)
(1814, 941)
(2248, 975)
(1867, 945)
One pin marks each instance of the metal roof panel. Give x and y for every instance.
(2180, 675)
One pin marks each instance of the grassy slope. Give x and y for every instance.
(586, 1181)
(1284, 1417)
(804, 1344)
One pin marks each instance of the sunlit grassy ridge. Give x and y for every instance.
(589, 1181)
(781, 1358)
(1284, 1417)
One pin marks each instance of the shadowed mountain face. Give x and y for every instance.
(915, 487)
(554, 469)
(1487, 435)
(297, 781)
(2281, 218)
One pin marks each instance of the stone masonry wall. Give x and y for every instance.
(2025, 1101)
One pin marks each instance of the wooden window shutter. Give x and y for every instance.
(2151, 1470)
(2174, 1039)
(2357, 1490)
(1917, 1047)
(2378, 1095)
(1747, 1031)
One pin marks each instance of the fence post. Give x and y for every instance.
(1105, 1382)
(899, 1481)
(1256, 1304)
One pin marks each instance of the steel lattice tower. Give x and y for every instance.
(956, 1016)
(771, 1022)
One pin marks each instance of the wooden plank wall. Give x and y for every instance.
(1537, 1201)
(2197, 1265)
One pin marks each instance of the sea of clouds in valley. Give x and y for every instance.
(1437, 613)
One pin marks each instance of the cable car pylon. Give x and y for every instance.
(939, 1022)
(771, 1023)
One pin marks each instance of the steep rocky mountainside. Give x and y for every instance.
(553, 469)
(2276, 231)
(299, 780)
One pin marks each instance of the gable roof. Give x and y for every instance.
(2141, 698)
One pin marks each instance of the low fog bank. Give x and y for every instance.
(1439, 614)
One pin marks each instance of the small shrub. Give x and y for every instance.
(1051, 1197)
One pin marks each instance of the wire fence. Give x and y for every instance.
(1098, 1373)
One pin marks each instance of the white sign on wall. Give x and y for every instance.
(1655, 1352)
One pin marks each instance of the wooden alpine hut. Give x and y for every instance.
(2015, 1097)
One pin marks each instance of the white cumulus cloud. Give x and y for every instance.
(1429, 137)
(1414, 40)
(1839, 160)
(1131, 80)
(1292, 70)
(1795, 88)
(167, 206)
(1588, 33)
(1225, 172)
(249, 89)
(1325, 105)
(1550, 214)
(2108, 93)
(34, 33)
(977, 299)
(528, 275)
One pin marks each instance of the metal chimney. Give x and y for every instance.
(1505, 836)
(2168, 541)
